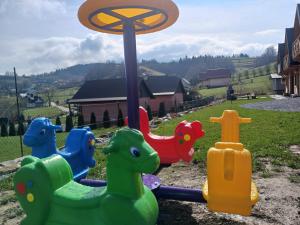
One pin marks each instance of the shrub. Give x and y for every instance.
(80, 121)
(4, 132)
(69, 123)
(21, 128)
(12, 129)
(149, 111)
(161, 110)
(120, 118)
(106, 119)
(57, 121)
(93, 124)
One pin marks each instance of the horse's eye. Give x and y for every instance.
(43, 132)
(135, 152)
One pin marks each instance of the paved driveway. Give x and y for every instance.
(284, 105)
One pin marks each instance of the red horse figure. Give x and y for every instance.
(172, 149)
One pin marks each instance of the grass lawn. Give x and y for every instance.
(42, 111)
(268, 136)
(258, 85)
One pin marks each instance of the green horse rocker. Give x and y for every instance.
(49, 196)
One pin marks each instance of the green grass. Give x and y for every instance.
(258, 85)
(61, 95)
(268, 136)
(49, 112)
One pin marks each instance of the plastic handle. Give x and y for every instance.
(215, 119)
(245, 120)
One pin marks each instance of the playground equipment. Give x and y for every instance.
(78, 151)
(229, 166)
(48, 194)
(172, 149)
(129, 18)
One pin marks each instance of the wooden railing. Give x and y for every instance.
(286, 62)
(296, 49)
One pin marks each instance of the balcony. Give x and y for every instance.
(286, 62)
(296, 49)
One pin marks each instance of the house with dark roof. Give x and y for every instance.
(213, 78)
(167, 89)
(111, 94)
(96, 96)
(289, 58)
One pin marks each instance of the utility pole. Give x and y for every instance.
(18, 110)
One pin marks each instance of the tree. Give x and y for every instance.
(260, 72)
(254, 73)
(120, 118)
(246, 74)
(21, 128)
(4, 132)
(93, 124)
(149, 111)
(161, 110)
(80, 121)
(268, 69)
(106, 119)
(12, 129)
(22, 118)
(69, 123)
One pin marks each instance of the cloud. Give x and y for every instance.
(268, 32)
(31, 8)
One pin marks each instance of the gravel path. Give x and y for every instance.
(284, 105)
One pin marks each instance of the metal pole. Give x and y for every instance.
(18, 110)
(131, 75)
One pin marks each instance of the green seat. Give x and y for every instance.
(78, 196)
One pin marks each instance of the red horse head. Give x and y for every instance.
(186, 134)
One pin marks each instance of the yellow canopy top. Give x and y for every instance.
(109, 16)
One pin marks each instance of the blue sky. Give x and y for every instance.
(43, 35)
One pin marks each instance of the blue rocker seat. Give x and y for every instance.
(78, 151)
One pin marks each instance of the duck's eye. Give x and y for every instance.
(43, 132)
(135, 152)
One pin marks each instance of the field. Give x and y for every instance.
(49, 112)
(258, 85)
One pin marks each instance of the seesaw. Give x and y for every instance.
(172, 149)
(229, 187)
(78, 150)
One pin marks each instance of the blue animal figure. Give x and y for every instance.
(78, 151)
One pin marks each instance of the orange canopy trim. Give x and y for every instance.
(110, 16)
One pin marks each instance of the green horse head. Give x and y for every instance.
(129, 150)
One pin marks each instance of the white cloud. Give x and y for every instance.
(30, 8)
(268, 32)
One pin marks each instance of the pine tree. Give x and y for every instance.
(12, 129)
(106, 119)
(161, 110)
(93, 124)
(120, 118)
(69, 123)
(22, 118)
(80, 121)
(21, 128)
(4, 132)
(149, 111)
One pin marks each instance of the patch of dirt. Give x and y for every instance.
(279, 200)
(10, 211)
(295, 149)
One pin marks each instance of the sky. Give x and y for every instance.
(39, 36)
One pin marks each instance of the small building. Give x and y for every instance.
(166, 89)
(214, 78)
(96, 96)
(277, 84)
